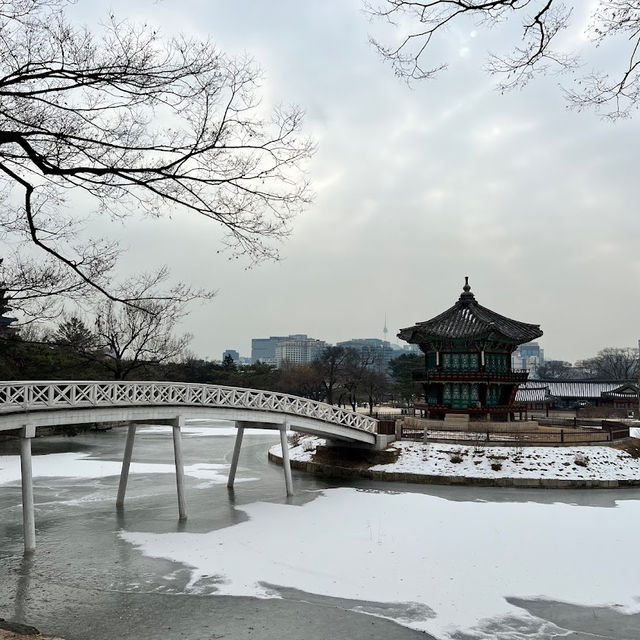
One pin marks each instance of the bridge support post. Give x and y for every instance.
(178, 423)
(286, 463)
(126, 463)
(235, 457)
(28, 511)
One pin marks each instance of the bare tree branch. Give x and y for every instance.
(612, 93)
(144, 126)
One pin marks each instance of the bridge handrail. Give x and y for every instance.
(59, 394)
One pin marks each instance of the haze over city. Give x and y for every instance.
(415, 187)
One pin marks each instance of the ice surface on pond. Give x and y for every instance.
(80, 465)
(458, 559)
(214, 428)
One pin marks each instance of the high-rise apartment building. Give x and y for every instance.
(295, 348)
(264, 349)
(527, 356)
(298, 349)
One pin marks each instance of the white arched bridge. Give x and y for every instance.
(25, 406)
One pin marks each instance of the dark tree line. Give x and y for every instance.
(135, 348)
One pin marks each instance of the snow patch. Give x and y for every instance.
(457, 560)
(554, 463)
(80, 465)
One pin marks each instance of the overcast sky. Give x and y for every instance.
(415, 188)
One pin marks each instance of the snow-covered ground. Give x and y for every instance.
(565, 463)
(443, 565)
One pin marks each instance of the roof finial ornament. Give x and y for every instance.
(466, 297)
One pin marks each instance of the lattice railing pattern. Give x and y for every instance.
(34, 396)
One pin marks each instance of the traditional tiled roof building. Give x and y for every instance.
(467, 352)
(5, 321)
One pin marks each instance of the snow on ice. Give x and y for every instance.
(458, 560)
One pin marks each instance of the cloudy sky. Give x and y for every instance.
(415, 187)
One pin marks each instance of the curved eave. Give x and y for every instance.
(470, 322)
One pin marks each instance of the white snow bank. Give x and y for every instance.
(80, 465)
(594, 463)
(460, 559)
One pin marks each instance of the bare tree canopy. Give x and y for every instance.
(612, 364)
(135, 124)
(124, 338)
(613, 93)
(554, 370)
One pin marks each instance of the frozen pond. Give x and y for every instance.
(367, 560)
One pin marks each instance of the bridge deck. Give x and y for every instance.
(50, 403)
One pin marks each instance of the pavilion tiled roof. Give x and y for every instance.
(469, 320)
(532, 394)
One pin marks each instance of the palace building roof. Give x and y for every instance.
(468, 320)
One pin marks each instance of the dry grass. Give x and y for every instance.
(631, 446)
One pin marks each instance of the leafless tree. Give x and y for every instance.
(123, 338)
(301, 380)
(330, 367)
(376, 385)
(613, 94)
(554, 370)
(129, 338)
(612, 364)
(125, 122)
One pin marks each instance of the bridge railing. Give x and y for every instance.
(34, 396)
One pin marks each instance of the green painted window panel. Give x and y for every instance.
(496, 362)
(460, 395)
(460, 361)
(493, 395)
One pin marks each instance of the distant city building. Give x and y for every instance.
(233, 353)
(264, 349)
(298, 349)
(380, 352)
(408, 348)
(527, 356)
